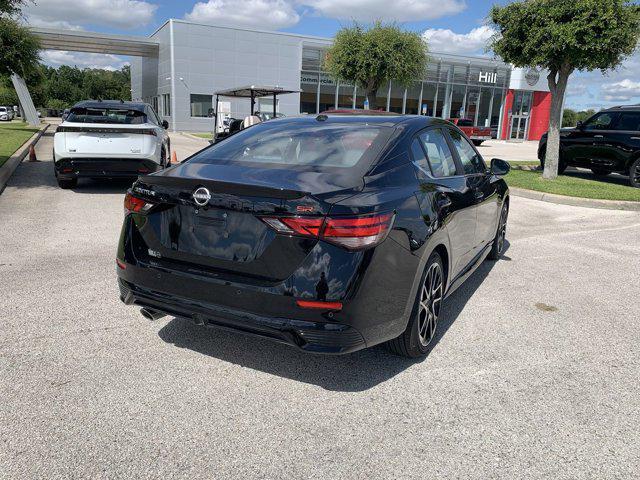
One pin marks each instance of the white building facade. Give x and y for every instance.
(196, 60)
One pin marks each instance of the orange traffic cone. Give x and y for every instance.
(174, 157)
(32, 154)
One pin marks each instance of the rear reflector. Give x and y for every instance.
(354, 233)
(318, 305)
(135, 205)
(121, 265)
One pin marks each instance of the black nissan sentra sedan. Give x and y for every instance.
(331, 233)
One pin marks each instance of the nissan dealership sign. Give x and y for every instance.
(532, 79)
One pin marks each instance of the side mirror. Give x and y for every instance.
(499, 167)
(165, 124)
(579, 125)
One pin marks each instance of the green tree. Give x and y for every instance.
(11, 8)
(564, 36)
(570, 117)
(18, 48)
(371, 57)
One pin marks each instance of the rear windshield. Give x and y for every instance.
(120, 116)
(318, 145)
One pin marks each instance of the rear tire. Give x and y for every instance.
(598, 172)
(417, 340)
(67, 183)
(634, 174)
(477, 143)
(501, 234)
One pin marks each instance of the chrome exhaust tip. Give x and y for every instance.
(151, 314)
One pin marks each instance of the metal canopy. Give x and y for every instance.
(253, 91)
(93, 42)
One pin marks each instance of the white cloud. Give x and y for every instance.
(447, 41)
(621, 91)
(263, 14)
(399, 10)
(595, 90)
(72, 14)
(275, 14)
(55, 58)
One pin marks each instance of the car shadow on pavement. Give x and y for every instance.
(354, 372)
(613, 178)
(107, 185)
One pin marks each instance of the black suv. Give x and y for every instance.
(607, 142)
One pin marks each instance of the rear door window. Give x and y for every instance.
(628, 121)
(438, 153)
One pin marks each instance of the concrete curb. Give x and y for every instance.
(7, 169)
(575, 201)
(193, 136)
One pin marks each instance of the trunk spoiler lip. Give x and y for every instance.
(221, 187)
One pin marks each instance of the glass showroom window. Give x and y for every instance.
(166, 104)
(201, 105)
(413, 105)
(345, 95)
(309, 82)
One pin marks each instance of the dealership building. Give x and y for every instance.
(178, 68)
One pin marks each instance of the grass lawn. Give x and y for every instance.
(207, 136)
(12, 136)
(572, 186)
(524, 162)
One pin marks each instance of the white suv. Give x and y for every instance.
(6, 114)
(109, 139)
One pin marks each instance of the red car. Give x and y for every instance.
(476, 134)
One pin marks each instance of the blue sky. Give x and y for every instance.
(456, 26)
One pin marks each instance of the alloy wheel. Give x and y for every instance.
(635, 174)
(430, 302)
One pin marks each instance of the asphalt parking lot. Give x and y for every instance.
(534, 374)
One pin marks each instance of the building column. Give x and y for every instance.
(173, 76)
(446, 107)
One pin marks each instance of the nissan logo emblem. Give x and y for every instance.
(201, 196)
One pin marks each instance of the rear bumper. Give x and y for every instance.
(481, 138)
(104, 167)
(309, 336)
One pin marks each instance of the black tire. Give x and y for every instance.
(598, 172)
(67, 183)
(634, 174)
(477, 143)
(501, 234)
(417, 340)
(163, 159)
(562, 166)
